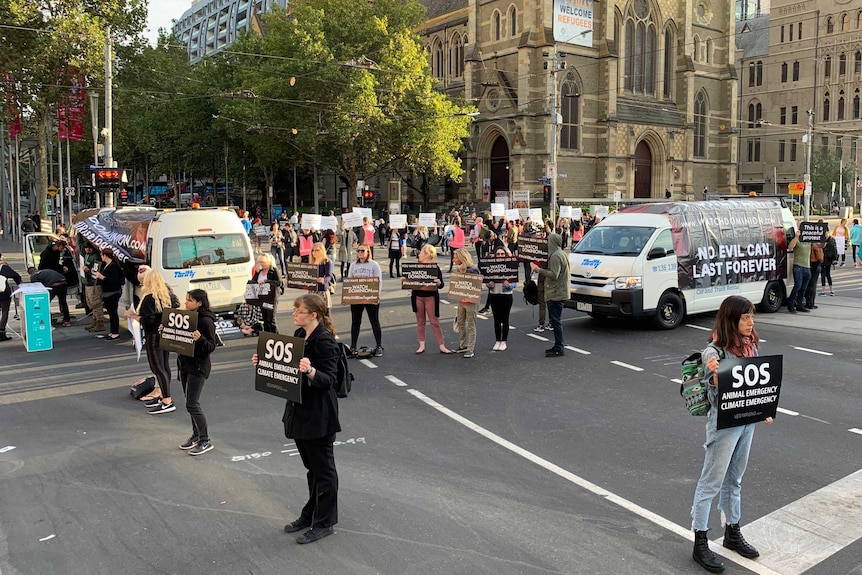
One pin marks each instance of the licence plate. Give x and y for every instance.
(212, 285)
(581, 306)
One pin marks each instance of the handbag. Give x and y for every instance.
(142, 387)
(455, 327)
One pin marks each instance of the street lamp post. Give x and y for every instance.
(806, 197)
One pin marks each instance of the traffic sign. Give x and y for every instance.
(70, 192)
(544, 180)
(52, 190)
(796, 188)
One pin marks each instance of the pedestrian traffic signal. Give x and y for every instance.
(108, 179)
(368, 196)
(546, 194)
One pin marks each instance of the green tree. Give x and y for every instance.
(826, 169)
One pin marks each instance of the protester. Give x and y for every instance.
(466, 312)
(291, 242)
(856, 242)
(325, 272)
(457, 241)
(842, 236)
(111, 279)
(727, 449)
(155, 297)
(368, 235)
(830, 256)
(92, 289)
(556, 276)
(500, 299)
(56, 282)
(421, 299)
(268, 273)
(801, 274)
(312, 424)
(6, 274)
(365, 267)
(397, 250)
(276, 239)
(306, 242)
(195, 370)
(815, 261)
(347, 242)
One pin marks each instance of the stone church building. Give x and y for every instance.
(645, 93)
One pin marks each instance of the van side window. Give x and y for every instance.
(665, 240)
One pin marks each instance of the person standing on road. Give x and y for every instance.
(268, 273)
(397, 250)
(56, 282)
(346, 244)
(500, 299)
(111, 279)
(275, 245)
(727, 450)
(801, 274)
(856, 242)
(816, 260)
(365, 267)
(312, 424)
(556, 276)
(842, 236)
(6, 274)
(466, 312)
(92, 289)
(325, 272)
(456, 242)
(422, 300)
(830, 255)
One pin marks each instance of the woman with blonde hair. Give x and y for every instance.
(155, 297)
(466, 318)
(267, 272)
(423, 298)
(325, 271)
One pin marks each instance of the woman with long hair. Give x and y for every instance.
(275, 244)
(726, 449)
(111, 279)
(268, 273)
(365, 267)
(325, 271)
(466, 314)
(500, 300)
(155, 297)
(456, 242)
(422, 299)
(312, 424)
(346, 245)
(397, 250)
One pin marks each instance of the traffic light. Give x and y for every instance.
(367, 196)
(108, 179)
(546, 194)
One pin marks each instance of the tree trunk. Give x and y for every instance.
(269, 178)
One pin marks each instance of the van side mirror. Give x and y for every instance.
(656, 253)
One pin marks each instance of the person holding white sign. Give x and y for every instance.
(726, 449)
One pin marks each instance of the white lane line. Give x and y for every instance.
(368, 363)
(817, 351)
(577, 350)
(7, 448)
(815, 419)
(51, 536)
(855, 430)
(540, 338)
(627, 366)
(787, 411)
(676, 380)
(587, 485)
(700, 327)
(480, 316)
(801, 534)
(443, 301)
(512, 327)
(396, 381)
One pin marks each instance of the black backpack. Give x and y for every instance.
(531, 292)
(343, 378)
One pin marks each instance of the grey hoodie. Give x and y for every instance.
(556, 274)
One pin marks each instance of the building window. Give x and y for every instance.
(751, 74)
(498, 26)
(708, 51)
(826, 107)
(437, 59)
(700, 118)
(856, 104)
(842, 64)
(799, 29)
(513, 21)
(827, 66)
(792, 150)
(830, 25)
(695, 49)
(570, 112)
(791, 32)
(456, 56)
(794, 115)
(796, 71)
(669, 58)
(754, 150)
(783, 115)
(839, 147)
(824, 145)
(840, 106)
(845, 22)
(640, 43)
(759, 68)
(781, 144)
(784, 71)
(782, 34)
(859, 20)
(857, 63)
(854, 144)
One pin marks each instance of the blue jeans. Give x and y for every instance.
(555, 316)
(801, 277)
(723, 467)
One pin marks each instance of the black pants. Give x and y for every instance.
(59, 290)
(269, 318)
(318, 458)
(4, 314)
(395, 259)
(345, 267)
(112, 302)
(193, 384)
(811, 290)
(356, 322)
(159, 361)
(501, 305)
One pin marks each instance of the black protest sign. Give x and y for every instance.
(277, 372)
(533, 249)
(465, 287)
(812, 232)
(302, 276)
(748, 389)
(260, 294)
(499, 270)
(360, 291)
(177, 328)
(418, 275)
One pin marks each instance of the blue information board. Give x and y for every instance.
(36, 319)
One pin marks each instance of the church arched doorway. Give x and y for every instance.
(499, 168)
(643, 170)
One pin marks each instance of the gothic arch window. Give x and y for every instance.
(759, 68)
(826, 107)
(437, 59)
(496, 26)
(755, 114)
(695, 49)
(857, 62)
(859, 20)
(456, 57)
(571, 114)
(830, 25)
(640, 46)
(845, 22)
(701, 115)
(842, 64)
(856, 104)
(669, 60)
(783, 72)
(827, 66)
(513, 21)
(840, 115)
(707, 53)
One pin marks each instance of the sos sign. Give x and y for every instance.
(277, 371)
(748, 389)
(177, 328)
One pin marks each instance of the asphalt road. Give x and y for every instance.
(505, 463)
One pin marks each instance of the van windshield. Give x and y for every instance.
(192, 251)
(615, 241)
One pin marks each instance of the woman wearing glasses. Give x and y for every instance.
(312, 424)
(500, 300)
(365, 267)
(325, 270)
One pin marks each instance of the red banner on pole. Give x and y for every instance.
(70, 111)
(13, 109)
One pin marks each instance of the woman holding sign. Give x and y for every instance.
(267, 273)
(423, 298)
(500, 300)
(313, 423)
(325, 271)
(365, 267)
(726, 449)
(466, 314)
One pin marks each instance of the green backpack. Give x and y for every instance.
(692, 388)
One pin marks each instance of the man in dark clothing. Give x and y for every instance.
(556, 276)
(56, 282)
(28, 226)
(52, 258)
(7, 275)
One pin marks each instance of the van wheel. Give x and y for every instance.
(773, 297)
(669, 312)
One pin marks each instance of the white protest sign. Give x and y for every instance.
(602, 212)
(310, 222)
(565, 211)
(513, 214)
(576, 213)
(397, 221)
(536, 214)
(498, 210)
(328, 223)
(427, 219)
(352, 219)
(366, 212)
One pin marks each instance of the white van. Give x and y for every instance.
(667, 260)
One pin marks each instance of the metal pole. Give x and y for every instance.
(4, 199)
(806, 203)
(294, 190)
(775, 180)
(18, 183)
(109, 115)
(244, 206)
(840, 179)
(69, 180)
(58, 199)
(316, 207)
(553, 142)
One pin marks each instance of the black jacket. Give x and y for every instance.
(317, 415)
(114, 278)
(8, 272)
(151, 318)
(429, 293)
(200, 364)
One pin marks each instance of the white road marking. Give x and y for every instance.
(700, 327)
(443, 301)
(7, 448)
(540, 338)
(480, 316)
(396, 381)
(817, 351)
(576, 350)
(368, 363)
(630, 506)
(51, 536)
(787, 411)
(627, 366)
(803, 533)
(855, 430)
(512, 327)
(676, 380)
(815, 419)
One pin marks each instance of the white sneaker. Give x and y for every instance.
(502, 346)
(496, 346)
(539, 328)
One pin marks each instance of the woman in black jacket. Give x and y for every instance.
(195, 370)
(426, 302)
(313, 423)
(111, 279)
(268, 273)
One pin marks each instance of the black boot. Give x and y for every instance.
(703, 555)
(733, 539)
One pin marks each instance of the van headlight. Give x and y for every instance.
(628, 282)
